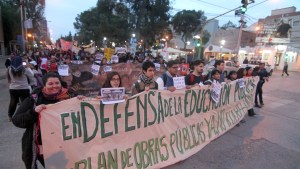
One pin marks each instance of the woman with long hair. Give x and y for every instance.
(20, 79)
(27, 117)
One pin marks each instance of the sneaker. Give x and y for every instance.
(262, 104)
(258, 106)
(243, 121)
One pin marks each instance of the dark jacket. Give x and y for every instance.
(25, 117)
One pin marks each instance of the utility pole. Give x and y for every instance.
(240, 37)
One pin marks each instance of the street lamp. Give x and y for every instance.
(133, 35)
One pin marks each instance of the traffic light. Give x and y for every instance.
(244, 9)
(244, 6)
(198, 43)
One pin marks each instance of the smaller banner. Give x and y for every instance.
(63, 70)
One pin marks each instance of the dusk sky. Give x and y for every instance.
(61, 13)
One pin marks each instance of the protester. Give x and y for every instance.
(263, 76)
(219, 65)
(285, 69)
(241, 73)
(249, 72)
(196, 76)
(20, 79)
(27, 116)
(232, 76)
(166, 79)
(52, 65)
(245, 61)
(214, 78)
(146, 80)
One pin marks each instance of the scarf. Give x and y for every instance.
(146, 79)
(61, 95)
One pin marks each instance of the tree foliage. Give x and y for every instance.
(117, 20)
(107, 19)
(11, 20)
(186, 22)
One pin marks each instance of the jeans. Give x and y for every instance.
(15, 96)
(259, 93)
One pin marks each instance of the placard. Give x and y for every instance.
(179, 82)
(216, 90)
(112, 95)
(63, 70)
(95, 69)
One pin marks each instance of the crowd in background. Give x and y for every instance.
(34, 82)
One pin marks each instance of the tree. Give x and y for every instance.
(186, 22)
(107, 19)
(35, 10)
(150, 18)
(11, 20)
(227, 25)
(68, 37)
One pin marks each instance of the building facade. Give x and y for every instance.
(2, 49)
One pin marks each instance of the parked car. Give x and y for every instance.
(228, 66)
(254, 64)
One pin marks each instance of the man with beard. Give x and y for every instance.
(196, 76)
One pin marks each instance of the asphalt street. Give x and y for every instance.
(270, 140)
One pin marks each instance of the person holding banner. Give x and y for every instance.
(196, 77)
(165, 82)
(27, 116)
(215, 77)
(219, 65)
(232, 76)
(146, 80)
(113, 80)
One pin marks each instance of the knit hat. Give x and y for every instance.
(16, 64)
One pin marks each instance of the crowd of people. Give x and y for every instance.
(34, 82)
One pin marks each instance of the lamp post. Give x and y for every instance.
(222, 42)
(104, 42)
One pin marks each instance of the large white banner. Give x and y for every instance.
(150, 130)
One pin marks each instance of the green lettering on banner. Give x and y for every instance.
(103, 121)
(76, 124)
(186, 114)
(64, 126)
(236, 89)
(144, 154)
(101, 160)
(195, 143)
(112, 161)
(228, 119)
(226, 94)
(87, 138)
(128, 157)
(166, 157)
(173, 139)
(86, 164)
(166, 108)
(193, 102)
(179, 141)
(137, 155)
(176, 106)
(210, 126)
(160, 109)
(125, 158)
(153, 108)
(201, 134)
(151, 151)
(170, 107)
(127, 114)
(116, 117)
(199, 102)
(186, 139)
(144, 107)
(206, 108)
(179, 105)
